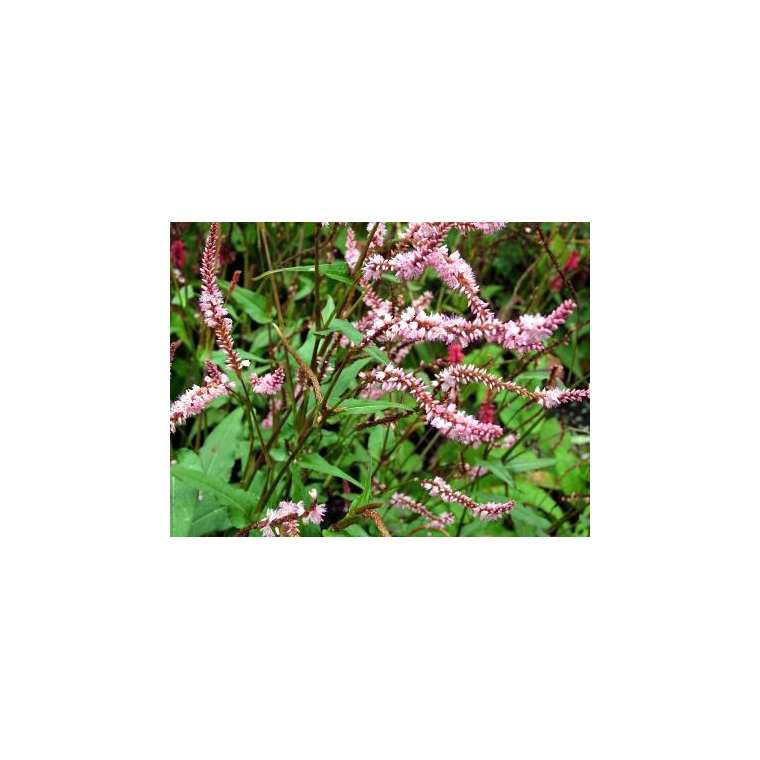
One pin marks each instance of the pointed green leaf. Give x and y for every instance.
(218, 453)
(223, 492)
(367, 406)
(253, 304)
(347, 329)
(319, 464)
(336, 271)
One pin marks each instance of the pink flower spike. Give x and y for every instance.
(552, 397)
(489, 511)
(316, 514)
(270, 384)
(352, 249)
(211, 301)
(196, 399)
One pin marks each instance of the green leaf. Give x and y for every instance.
(336, 271)
(307, 349)
(345, 328)
(347, 376)
(498, 469)
(210, 517)
(298, 491)
(528, 522)
(183, 497)
(223, 492)
(367, 406)
(376, 438)
(377, 355)
(319, 464)
(366, 494)
(194, 513)
(525, 464)
(218, 452)
(253, 304)
(327, 309)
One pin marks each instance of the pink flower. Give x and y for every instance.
(269, 384)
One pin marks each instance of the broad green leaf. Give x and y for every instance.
(223, 492)
(183, 497)
(253, 304)
(194, 513)
(532, 495)
(528, 522)
(210, 517)
(525, 464)
(319, 464)
(218, 452)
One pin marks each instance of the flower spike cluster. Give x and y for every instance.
(283, 521)
(415, 326)
(447, 418)
(211, 302)
(197, 398)
(488, 511)
(436, 522)
(269, 384)
(451, 377)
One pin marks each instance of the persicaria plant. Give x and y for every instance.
(381, 379)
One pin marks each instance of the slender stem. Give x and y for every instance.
(317, 315)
